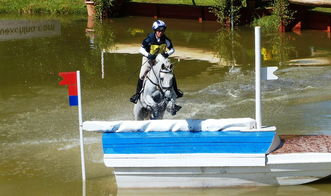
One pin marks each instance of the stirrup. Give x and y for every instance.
(134, 99)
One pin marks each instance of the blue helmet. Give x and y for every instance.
(159, 25)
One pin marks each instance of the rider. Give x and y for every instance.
(155, 43)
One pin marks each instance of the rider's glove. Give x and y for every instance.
(151, 56)
(165, 55)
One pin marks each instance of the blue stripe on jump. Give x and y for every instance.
(187, 137)
(186, 142)
(167, 149)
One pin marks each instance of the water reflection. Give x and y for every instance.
(25, 29)
(100, 39)
(104, 35)
(235, 47)
(89, 31)
(230, 46)
(39, 136)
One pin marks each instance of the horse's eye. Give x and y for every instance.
(163, 66)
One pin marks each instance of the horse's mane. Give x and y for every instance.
(158, 65)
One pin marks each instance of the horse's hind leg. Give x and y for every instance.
(137, 112)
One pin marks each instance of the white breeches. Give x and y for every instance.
(146, 65)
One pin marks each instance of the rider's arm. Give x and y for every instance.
(143, 52)
(171, 51)
(170, 47)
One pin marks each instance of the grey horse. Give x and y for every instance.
(158, 94)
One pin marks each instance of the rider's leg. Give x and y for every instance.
(135, 97)
(178, 92)
(145, 67)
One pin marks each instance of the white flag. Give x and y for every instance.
(267, 73)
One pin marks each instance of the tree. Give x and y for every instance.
(228, 11)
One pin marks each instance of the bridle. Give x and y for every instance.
(158, 84)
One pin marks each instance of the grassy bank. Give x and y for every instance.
(78, 7)
(322, 9)
(43, 6)
(181, 2)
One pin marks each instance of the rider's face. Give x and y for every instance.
(159, 33)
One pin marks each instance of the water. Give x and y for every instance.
(215, 69)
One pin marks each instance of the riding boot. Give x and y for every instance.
(135, 97)
(178, 92)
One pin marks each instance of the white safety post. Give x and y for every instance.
(258, 107)
(80, 119)
(103, 63)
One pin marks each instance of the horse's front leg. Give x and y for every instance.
(139, 111)
(150, 101)
(152, 106)
(172, 108)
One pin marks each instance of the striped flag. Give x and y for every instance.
(70, 79)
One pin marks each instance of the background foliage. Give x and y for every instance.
(281, 14)
(223, 9)
(43, 6)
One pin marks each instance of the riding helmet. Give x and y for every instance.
(159, 25)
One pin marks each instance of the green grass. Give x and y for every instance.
(181, 2)
(43, 6)
(267, 23)
(322, 9)
(73, 6)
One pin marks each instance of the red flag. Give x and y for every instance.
(70, 79)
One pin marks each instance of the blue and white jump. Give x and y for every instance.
(182, 153)
(202, 153)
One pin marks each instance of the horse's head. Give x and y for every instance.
(166, 72)
(165, 61)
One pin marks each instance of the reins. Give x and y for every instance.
(158, 84)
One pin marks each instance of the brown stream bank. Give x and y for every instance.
(304, 18)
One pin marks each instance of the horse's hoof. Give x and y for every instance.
(177, 107)
(179, 93)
